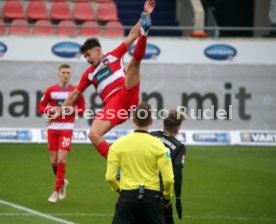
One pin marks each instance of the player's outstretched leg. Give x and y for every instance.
(97, 130)
(140, 48)
(100, 127)
(103, 148)
(133, 70)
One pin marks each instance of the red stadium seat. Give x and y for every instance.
(37, 10)
(3, 29)
(114, 29)
(67, 28)
(43, 27)
(83, 11)
(60, 11)
(19, 27)
(90, 28)
(13, 10)
(107, 12)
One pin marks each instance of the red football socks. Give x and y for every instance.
(103, 148)
(61, 168)
(140, 48)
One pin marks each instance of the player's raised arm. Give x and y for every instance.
(72, 98)
(81, 105)
(136, 30)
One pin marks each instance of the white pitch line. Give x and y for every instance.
(35, 212)
(16, 214)
(110, 215)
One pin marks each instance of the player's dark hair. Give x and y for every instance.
(143, 115)
(173, 120)
(64, 66)
(89, 44)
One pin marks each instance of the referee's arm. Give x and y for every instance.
(165, 166)
(112, 167)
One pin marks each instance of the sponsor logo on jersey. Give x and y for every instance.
(66, 49)
(258, 137)
(17, 135)
(103, 74)
(220, 52)
(60, 102)
(3, 48)
(222, 138)
(152, 51)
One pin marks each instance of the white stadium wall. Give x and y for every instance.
(176, 72)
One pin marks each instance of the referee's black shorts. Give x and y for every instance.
(130, 210)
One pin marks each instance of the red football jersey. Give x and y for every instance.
(55, 96)
(108, 76)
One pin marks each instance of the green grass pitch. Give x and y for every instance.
(221, 185)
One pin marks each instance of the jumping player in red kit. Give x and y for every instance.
(118, 89)
(61, 130)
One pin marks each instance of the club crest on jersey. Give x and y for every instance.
(106, 62)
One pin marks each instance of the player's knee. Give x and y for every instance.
(93, 136)
(61, 160)
(131, 82)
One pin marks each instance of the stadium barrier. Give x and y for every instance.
(159, 50)
(193, 137)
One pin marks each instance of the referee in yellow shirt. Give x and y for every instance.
(140, 157)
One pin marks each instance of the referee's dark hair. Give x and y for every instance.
(89, 44)
(143, 115)
(173, 120)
